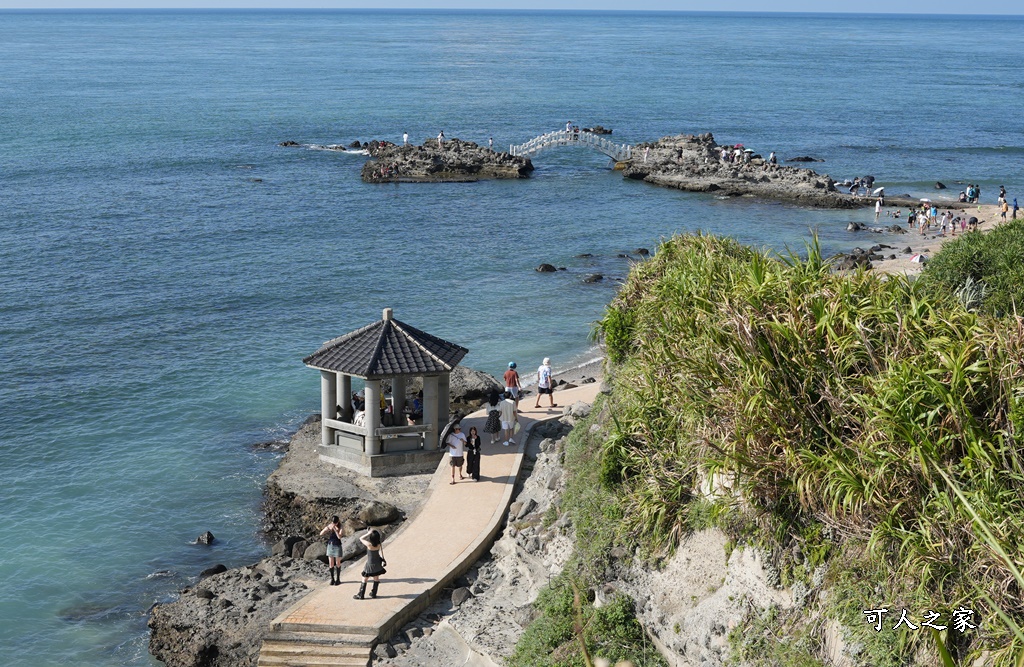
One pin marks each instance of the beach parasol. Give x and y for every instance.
(738, 146)
(878, 191)
(445, 432)
(919, 259)
(926, 199)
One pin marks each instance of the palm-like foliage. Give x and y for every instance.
(823, 398)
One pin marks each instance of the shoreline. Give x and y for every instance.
(930, 243)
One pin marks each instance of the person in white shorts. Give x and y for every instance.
(508, 418)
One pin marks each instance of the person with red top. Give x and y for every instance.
(512, 385)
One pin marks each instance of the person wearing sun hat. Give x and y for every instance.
(545, 385)
(512, 385)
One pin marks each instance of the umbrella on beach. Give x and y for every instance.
(926, 199)
(878, 191)
(738, 146)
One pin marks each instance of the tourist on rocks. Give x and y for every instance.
(512, 385)
(440, 140)
(334, 535)
(772, 159)
(508, 419)
(493, 424)
(456, 442)
(545, 385)
(473, 445)
(375, 562)
(490, 143)
(405, 138)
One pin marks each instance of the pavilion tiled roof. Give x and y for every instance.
(387, 348)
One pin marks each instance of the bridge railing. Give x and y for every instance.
(572, 138)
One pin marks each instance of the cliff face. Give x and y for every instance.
(455, 161)
(694, 163)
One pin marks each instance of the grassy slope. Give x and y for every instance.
(830, 402)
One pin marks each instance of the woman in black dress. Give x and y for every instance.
(374, 562)
(493, 424)
(473, 445)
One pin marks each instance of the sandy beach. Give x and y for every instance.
(930, 243)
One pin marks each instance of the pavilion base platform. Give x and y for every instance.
(414, 462)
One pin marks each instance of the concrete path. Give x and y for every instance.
(453, 527)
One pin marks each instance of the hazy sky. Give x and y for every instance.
(859, 6)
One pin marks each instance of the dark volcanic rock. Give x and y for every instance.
(694, 163)
(597, 129)
(456, 161)
(939, 186)
(210, 571)
(546, 268)
(289, 144)
(804, 158)
(593, 278)
(205, 538)
(642, 251)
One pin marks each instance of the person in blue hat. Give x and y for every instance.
(512, 385)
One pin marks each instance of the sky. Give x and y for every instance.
(859, 6)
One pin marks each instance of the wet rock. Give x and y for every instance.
(584, 255)
(546, 268)
(804, 158)
(456, 161)
(896, 229)
(205, 538)
(289, 144)
(642, 251)
(593, 278)
(210, 571)
(939, 186)
(597, 129)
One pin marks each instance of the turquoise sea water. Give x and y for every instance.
(164, 265)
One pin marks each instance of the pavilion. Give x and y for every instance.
(387, 350)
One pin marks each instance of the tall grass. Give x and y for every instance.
(824, 399)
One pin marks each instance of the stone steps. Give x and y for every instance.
(316, 649)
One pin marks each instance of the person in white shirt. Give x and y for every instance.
(545, 384)
(405, 138)
(508, 418)
(456, 442)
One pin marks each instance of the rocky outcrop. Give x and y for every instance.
(455, 161)
(694, 163)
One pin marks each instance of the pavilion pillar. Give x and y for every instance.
(430, 412)
(443, 399)
(372, 390)
(328, 401)
(345, 397)
(398, 399)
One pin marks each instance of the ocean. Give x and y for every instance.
(165, 265)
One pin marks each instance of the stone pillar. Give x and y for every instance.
(345, 396)
(372, 416)
(430, 411)
(398, 399)
(328, 399)
(443, 400)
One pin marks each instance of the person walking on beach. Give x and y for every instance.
(545, 384)
(375, 562)
(878, 208)
(1003, 210)
(508, 419)
(473, 445)
(512, 385)
(456, 442)
(334, 535)
(493, 424)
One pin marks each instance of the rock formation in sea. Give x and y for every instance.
(454, 161)
(693, 163)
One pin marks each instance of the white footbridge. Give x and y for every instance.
(617, 152)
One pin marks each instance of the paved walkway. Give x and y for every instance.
(453, 527)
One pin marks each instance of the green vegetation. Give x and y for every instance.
(828, 413)
(984, 270)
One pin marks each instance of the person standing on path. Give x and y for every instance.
(512, 385)
(508, 419)
(375, 562)
(473, 445)
(456, 442)
(334, 534)
(493, 425)
(544, 384)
